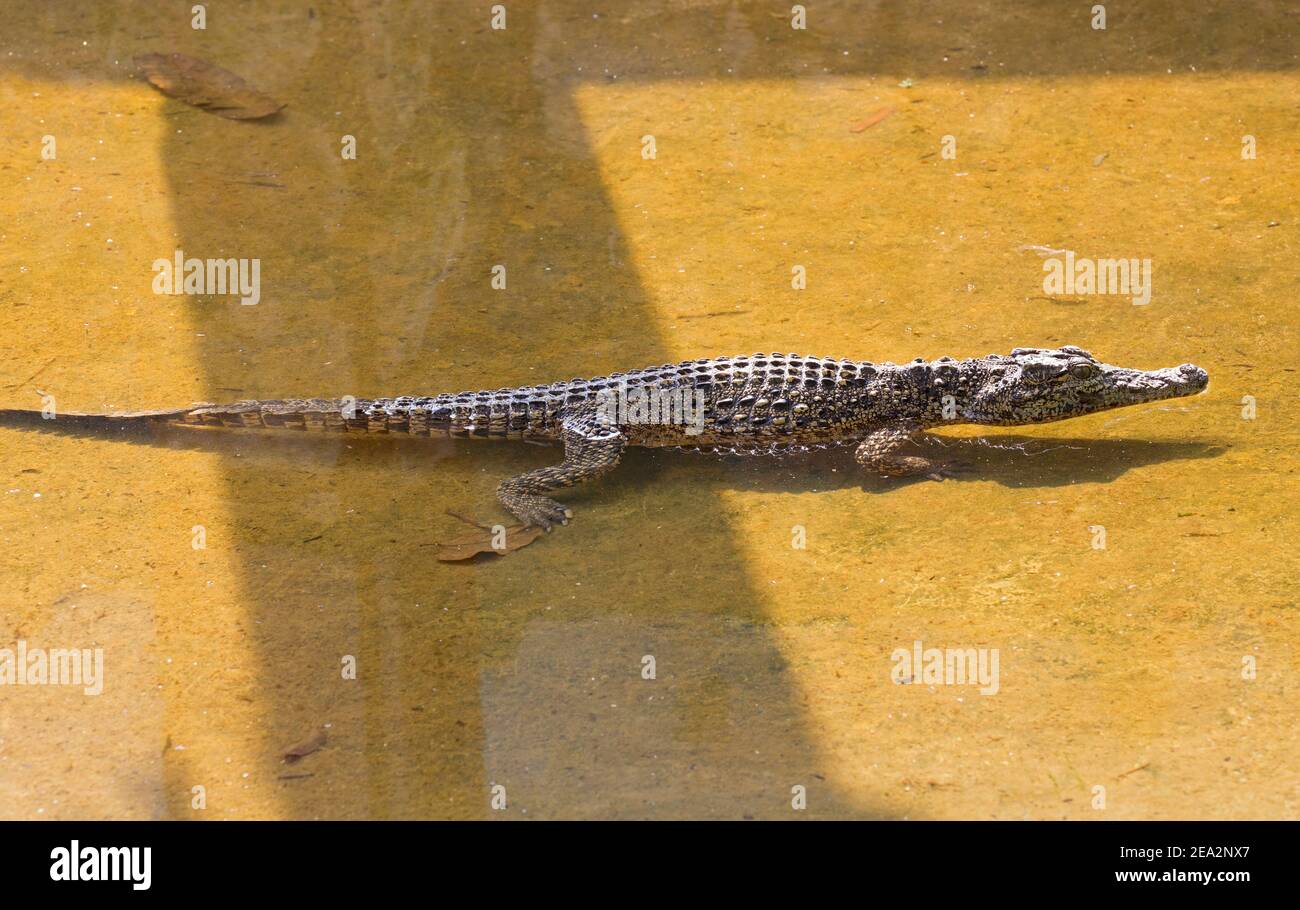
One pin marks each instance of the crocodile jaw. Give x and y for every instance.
(1141, 386)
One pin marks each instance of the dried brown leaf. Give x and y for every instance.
(206, 86)
(305, 748)
(470, 545)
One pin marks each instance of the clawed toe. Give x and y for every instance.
(546, 516)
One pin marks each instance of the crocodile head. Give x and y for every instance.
(1037, 385)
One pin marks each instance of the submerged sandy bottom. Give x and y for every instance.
(1120, 668)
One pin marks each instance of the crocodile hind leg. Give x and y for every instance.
(878, 452)
(592, 446)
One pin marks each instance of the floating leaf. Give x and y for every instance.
(206, 86)
(481, 541)
(305, 748)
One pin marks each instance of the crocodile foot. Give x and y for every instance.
(942, 470)
(916, 466)
(537, 511)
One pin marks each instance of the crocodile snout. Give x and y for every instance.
(1193, 377)
(1138, 386)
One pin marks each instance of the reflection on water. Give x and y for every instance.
(1120, 667)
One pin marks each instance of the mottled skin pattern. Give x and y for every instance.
(759, 404)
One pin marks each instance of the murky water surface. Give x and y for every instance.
(1125, 668)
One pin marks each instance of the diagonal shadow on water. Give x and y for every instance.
(525, 673)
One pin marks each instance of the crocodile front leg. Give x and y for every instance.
(592, 446)
(878, 452)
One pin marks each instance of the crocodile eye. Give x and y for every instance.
(1037, 372)
(1082, 370)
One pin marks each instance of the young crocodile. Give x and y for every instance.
(759, 404)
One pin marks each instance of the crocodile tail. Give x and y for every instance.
(295, 414)
(71, 421)
(322, 414)
(407, 416)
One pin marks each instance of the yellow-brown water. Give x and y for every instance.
(1121, 668)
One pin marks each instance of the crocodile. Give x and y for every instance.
(756, 404)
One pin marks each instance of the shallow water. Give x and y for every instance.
(1120, 668)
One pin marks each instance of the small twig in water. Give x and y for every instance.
(17, 385)
(469, 521)
(1145, 764)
